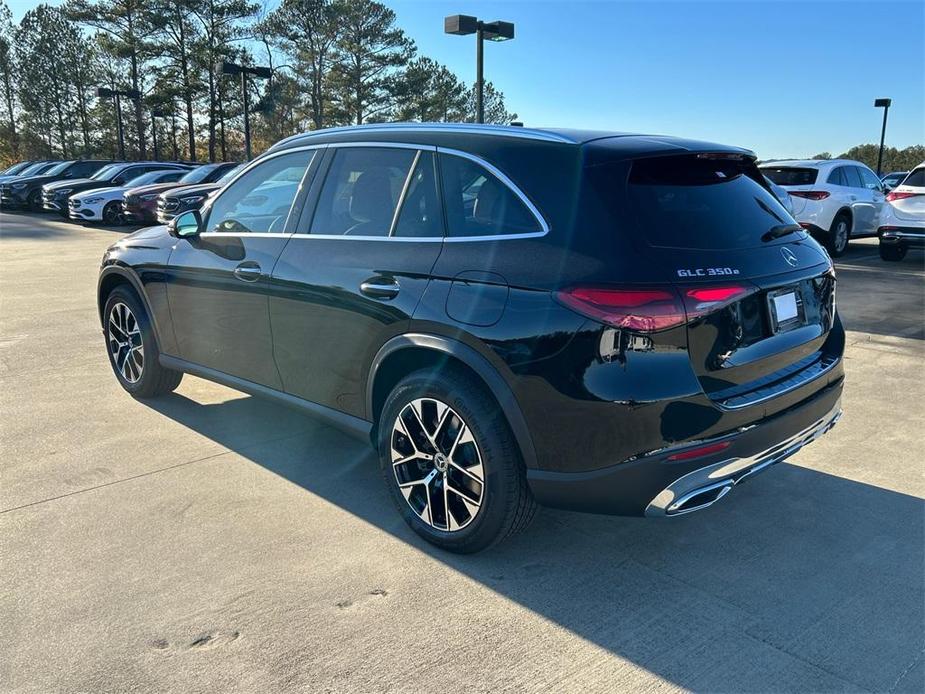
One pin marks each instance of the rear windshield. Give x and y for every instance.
(790, 176)
(702, 203)
(916, 178)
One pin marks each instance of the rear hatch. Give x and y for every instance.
(908, 198)
(795, 180)
(758, 293)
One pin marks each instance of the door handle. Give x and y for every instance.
(380, 288)
(248, 272)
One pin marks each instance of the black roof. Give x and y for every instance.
(617, 145)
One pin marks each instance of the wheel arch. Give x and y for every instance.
(404, 354)
(115, 276)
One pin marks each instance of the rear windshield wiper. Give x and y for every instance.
(775, 232)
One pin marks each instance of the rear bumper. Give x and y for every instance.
(908, 236)
(653, 485)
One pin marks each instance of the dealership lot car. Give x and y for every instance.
(140, 204)
(26, 191)
(177, 200)
(637, 337)
(33, 169)
(893, 179)
(902, 224)
(55, 195)
(835, 199)
(106, 204)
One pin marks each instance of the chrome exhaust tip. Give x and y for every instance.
(699, 498)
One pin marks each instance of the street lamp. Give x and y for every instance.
(885, 105)
(244, 71)
(104, 93)
(462, 25)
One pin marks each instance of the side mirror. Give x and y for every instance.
(186, 225)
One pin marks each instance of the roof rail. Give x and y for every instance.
(473, 128)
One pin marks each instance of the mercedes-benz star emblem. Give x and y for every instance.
(790, 257)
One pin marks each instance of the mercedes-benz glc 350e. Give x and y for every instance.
(613, 323)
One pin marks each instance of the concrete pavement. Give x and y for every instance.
(210, 541)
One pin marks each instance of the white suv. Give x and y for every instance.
(902, 224)
(834, 199)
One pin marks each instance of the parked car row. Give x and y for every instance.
(837, 200)
(111, 192)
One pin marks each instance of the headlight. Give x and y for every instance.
(193, 198)
(91, 201)
(19, 186)
(150, 196)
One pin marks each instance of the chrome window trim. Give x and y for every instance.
(501, 176)
(404, 193)
(210, 199)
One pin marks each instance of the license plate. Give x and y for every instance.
(786, 309)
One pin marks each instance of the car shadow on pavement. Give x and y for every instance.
(800, 581)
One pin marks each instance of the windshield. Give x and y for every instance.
(227, 177)
(199, 174)
(16, 168)
(145, 179)
(107, 172)
(36, 169)
(790, 175)
(58, 168)
(699, 202)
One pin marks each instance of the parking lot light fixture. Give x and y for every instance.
(463, 25)
(244, 71)
(885, 105)
(114, 94)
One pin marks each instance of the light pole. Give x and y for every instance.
(105, 92)
(462, 25)
(885, 105)
(244, 71)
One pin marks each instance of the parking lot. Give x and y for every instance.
(211, 541)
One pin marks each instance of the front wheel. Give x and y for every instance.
(113, 214)
(451, 462)
(892, 253)
(132, 349)
(34, 202)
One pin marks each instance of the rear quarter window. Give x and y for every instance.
(916, 178)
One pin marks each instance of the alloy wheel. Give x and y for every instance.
(841, 235)
(112, 214)
(125, 342)
(437, 464)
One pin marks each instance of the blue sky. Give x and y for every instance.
(783, 78)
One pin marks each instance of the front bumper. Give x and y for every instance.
(140, 211)
(54, 203)
(85, 213)
(653, 485)
(9, 197)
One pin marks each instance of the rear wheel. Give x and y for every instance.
(839, 234)
(132, 349)
(451, 462)
(892, 253)
(113, 214)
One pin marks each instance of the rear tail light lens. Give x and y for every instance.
(700, 451)
(650, 309)
(810, 194)
(899, 196)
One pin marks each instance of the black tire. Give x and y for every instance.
(506, 507)
(151, 379)
(34, 201)
(839, 235)
(112, 214)
(892, 253)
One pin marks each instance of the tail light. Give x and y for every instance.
(899, 196)
(700, 451)
(650, 309)
(810, 194)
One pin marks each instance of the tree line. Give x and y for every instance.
(332, 62)
(893, 159)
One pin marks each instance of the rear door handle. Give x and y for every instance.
(380, 288)
(248, 271)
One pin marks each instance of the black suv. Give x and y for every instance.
(613, 323)
(55, 195)
(26, 191)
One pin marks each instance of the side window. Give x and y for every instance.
(480, 204)
(259, 201)
(869, 179)
(837, 177)
(361, 191)
(170, 177)
(421, 214)
(852, 177)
